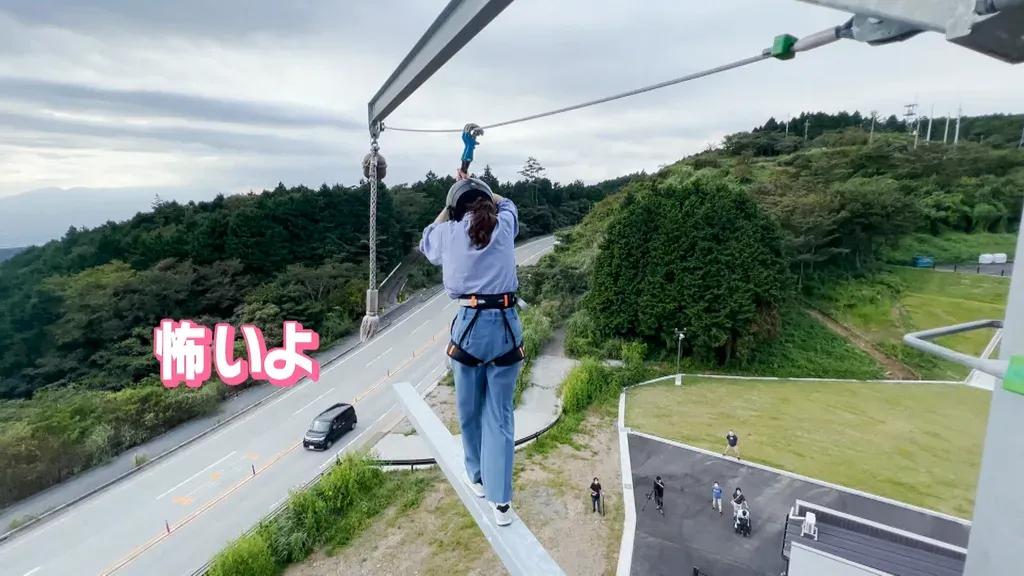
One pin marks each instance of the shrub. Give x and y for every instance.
(247, 556)
(586, 384)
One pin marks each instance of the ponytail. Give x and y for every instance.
(483, 218)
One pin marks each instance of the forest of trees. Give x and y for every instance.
(77, 314)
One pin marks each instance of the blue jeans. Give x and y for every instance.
(483, 396)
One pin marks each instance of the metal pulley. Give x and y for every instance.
(382, 166)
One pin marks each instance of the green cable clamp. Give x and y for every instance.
(1013, 381)
(782, 46)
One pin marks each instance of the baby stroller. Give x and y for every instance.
(742, 524)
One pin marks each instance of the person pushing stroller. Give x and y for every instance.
(740, 513)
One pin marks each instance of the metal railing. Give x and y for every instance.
(922, 341)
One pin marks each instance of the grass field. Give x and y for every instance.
(917, 443)
(900, 300)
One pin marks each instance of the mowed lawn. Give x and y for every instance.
(927, 299)
(917, 443)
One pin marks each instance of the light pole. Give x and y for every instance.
(680, 336)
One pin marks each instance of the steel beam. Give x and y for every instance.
(992, 27)
(997, 531)
(514, 544)
(457, 24)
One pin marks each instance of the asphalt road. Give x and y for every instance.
(691, 534)
(172, 518)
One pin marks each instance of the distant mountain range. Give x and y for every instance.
(6, 253)
(38, 216)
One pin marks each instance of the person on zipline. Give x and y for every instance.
(473, 240)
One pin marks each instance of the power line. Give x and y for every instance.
(807, 43)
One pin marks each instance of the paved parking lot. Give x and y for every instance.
(691, 534)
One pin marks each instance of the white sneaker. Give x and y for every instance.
(503, 518)
(476, 487)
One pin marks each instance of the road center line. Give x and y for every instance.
(315, 400)
(379, 356)
(193, 477)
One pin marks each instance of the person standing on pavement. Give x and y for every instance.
(716, 498)
(732, 443)
(659, 494)
(595, 494)
(473, 240)
(738, 500)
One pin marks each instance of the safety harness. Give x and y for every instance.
(480, 302)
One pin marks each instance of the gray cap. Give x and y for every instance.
(467, 186)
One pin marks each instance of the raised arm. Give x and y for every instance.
(508, 215)
(432, 243)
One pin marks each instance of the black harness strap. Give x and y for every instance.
(457, 353)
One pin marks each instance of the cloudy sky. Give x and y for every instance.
(195, 95)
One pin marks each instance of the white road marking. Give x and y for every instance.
(379, 356)
(422, 324)
(193, 477)
(33, 571)
(313, 401)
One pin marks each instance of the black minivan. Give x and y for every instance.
(329, 425)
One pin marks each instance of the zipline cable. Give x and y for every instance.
(784, 48)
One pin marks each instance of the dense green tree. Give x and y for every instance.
(693, 253)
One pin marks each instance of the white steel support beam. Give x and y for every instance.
(514, 544)
(997, 530)
(457, 24)
(992, 27)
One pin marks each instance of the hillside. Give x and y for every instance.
(843, 207)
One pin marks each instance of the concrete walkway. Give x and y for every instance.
(538, 407)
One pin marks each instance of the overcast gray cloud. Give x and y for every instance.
(236, 95)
